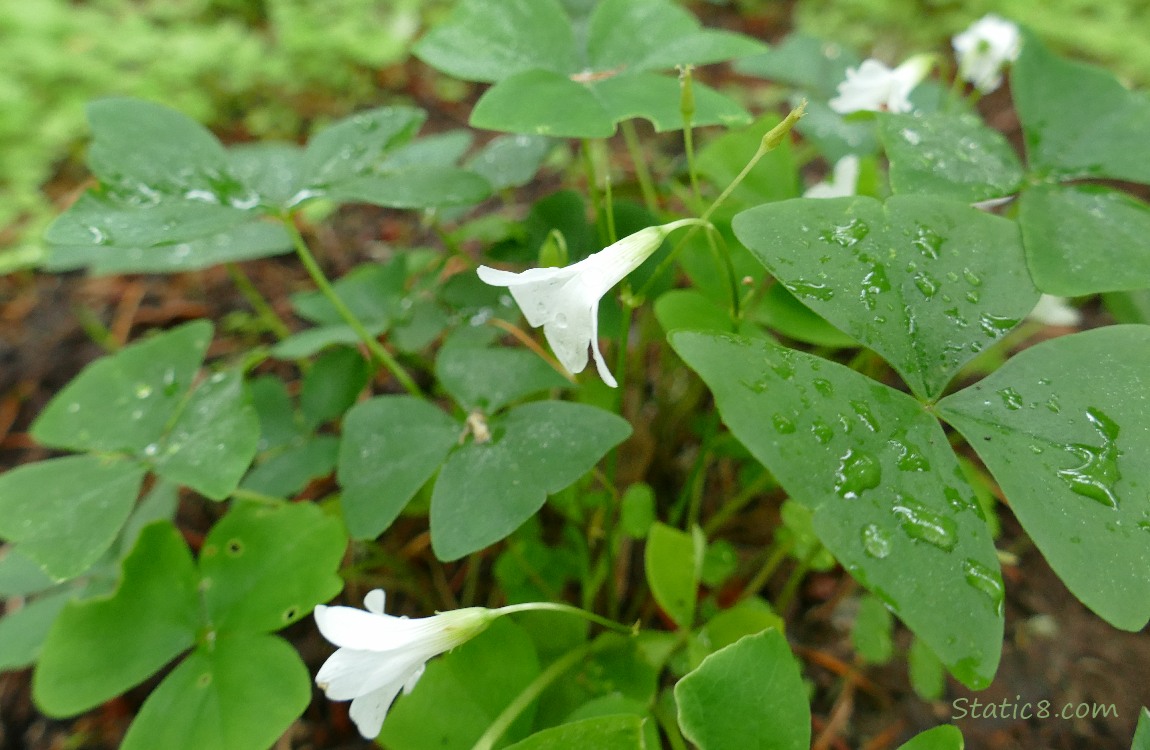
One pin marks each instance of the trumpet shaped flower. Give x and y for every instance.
(380, 654)
(843, 183)
(873, 86)
(984, 49)
(565, 301)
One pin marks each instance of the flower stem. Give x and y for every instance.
(642, 169)
(593, 189)
(379, 354)
(769, 143)
(554, 671)
(736, 503)
(778, 553)
(570, 610)
(263, 310)
(687, 110)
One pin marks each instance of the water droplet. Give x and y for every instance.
(876, 542)
(846, 235)
(973, 297)
(824, 386)
(783, 424)
(995, 325)
(1098, 474)
(758, 386)
(873, 284)
(561, 320)
(985, 580)
(911, 136)
(100, 235)
(958, 502)
(218, 377)
(927, 284)
(151, 449)
(862, 409)
(782, 367)
(927, 241)
(924, 525)
(143, 390)
(971, 277)
(1011, 398)
(73, 407)
(810, 291)
(953, 314)
(857, 472)
(1053, 405)
(137, 414)
(910, 457)
(822, 431)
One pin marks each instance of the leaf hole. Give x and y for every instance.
(204, 680)
(291, 614)
(235, 547)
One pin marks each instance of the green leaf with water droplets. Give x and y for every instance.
(510, 160)
(123, 402)
(542, 102)
(241, 693)
(889, 498)
(247, 241)
(488, 378)
(948, 154)
(213, 440)
(925, 282)
(391, 446)
(64, 513)
(1078, 120)
(945, 737)
(1065, 429)
(749, 694)
(99, 647)
(493, 483)
(264, 567)
(490, 40)
(142, 150)
(559, 77)
(1084, 239)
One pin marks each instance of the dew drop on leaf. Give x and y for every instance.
(985, 580)
(1098, 474)
(856, 473)
(924, 525)
(876, 542)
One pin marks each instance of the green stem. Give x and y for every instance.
(778, 553)
(570, 610)
(687, 109)
(736, 503)
(530, 693)
(378, 353)
(792, 584)
(642, 169)
(593, 189)
(263, 310)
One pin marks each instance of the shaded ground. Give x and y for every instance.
(1055, 650)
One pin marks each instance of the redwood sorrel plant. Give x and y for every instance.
(857, 345)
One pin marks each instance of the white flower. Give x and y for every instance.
(843, 182)
(1055, 311)
(874, 86)
(380, 654)
(984, 49)
(565, 301)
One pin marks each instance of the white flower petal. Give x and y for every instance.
(843, 183)
(600, 363)
(410, 682)
(369, 710)
(984, 49)
(875, 87)
(375, 601)
(349, 673)
(1055, 311)
(565, 301)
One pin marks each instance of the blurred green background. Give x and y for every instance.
(270, 68)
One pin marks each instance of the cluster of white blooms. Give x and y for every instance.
(983, 50)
